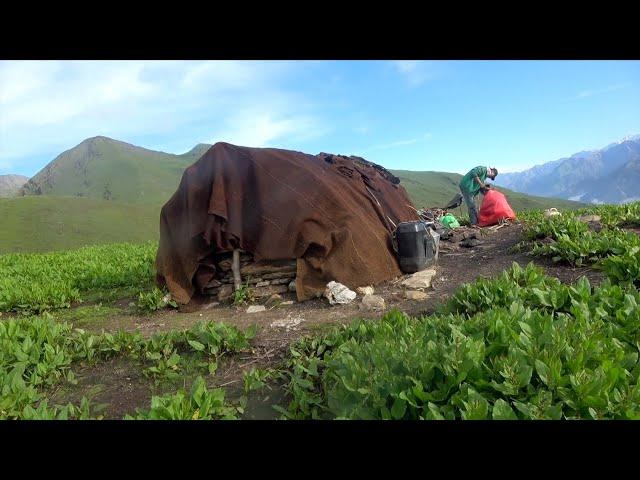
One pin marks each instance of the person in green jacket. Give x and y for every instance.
(472, 184)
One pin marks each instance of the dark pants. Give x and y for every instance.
(471, 206)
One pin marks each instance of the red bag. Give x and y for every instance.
(494, 208)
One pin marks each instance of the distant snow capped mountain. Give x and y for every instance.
(609, 175)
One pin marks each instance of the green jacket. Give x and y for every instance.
(469, 185)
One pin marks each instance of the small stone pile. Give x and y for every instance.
(263, 278)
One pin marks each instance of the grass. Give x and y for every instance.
(43, 223)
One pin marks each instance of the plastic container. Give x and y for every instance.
(417, 246)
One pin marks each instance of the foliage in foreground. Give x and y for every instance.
(37, 353)
(522, 347)
(198, 404)
(38, 282)
(565, 238)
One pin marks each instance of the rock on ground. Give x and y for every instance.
(338, 293)
(415, 295)
(365, 290)
(420, 280)
(256, 308)
(289, 323)
(372, 302)
(273, 300)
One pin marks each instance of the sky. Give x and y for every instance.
(411, 115)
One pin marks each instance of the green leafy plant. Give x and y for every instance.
(257, 379)
(198, 404)
(242, 295)
(521, 346)
(154, 300)
(34, 283)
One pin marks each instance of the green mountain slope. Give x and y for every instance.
(44, 223)
(107, 169)
(435, 189)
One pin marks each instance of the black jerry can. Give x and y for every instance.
(415, 246)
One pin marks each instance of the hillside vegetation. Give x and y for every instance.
(40, 224)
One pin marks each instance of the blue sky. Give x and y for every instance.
(414, 115)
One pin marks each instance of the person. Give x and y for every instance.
(472, 184)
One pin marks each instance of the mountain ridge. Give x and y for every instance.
(607, 175)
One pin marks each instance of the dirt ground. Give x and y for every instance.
(120, 385)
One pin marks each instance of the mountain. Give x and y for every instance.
(105, 190)
(107, 169)
(608, 175)
(10, 184)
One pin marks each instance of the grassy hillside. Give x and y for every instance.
(39, 224)
(106, 169)
(435, 189)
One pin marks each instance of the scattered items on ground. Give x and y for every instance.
(415, 295)
(256, 308)
(495, 208)
(470, 242)
(365, 290)
(289, 323)
(449, 221)
(551, 212)
(420, 280)
(338, 293)
(372, 302)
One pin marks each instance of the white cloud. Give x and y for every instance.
(53, 105)
(416, 72)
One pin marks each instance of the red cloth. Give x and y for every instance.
(494, 208)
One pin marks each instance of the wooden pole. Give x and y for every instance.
(235, 267)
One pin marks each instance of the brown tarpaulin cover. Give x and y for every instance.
(330, 212)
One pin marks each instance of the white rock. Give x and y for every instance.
(288, 302)
(551, 212)
(263, 283)
(289, 323)
(365, 290)
(372, 302)
(256, 308)
(338, 293)
(415, 295)
(292, 286)
(420, 280)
